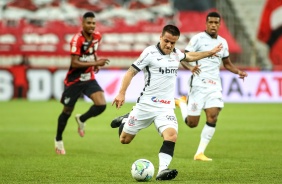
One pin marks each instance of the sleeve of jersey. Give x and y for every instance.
(192, 45)
(142, 61)
(225, 50)
(180, 54)
(75, 45)
(98, 36)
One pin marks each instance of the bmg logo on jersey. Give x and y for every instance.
(168, 70)
(156, 100)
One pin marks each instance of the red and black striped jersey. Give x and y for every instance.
(85, 50)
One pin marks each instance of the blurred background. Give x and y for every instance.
(35, 36)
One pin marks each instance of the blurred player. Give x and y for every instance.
(80, 79)
(205, 86)
(156, 103)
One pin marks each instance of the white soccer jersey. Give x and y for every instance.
(210, 66)
(160, 72)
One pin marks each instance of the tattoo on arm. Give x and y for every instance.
(133, 71)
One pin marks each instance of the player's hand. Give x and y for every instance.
(242, 74)
(102, 62)
(119, 101)
(196, 70)
(96, 69)
(217, 49)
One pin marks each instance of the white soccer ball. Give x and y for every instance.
(142, 170)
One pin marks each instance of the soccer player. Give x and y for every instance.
(156, 102)
(80, 79)
(205, 86)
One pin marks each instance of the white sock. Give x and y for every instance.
(183, 108)
(164, 161)
(206, 136)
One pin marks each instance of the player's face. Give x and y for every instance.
(212, 26)
(88, 25)
(167, 42)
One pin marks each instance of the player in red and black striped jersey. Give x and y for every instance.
(80, 79)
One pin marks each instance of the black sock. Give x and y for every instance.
(211, 124)
(120, 128)
(94, 110)
(168, 148)
(62, 123)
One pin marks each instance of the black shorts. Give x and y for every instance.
(74, 91)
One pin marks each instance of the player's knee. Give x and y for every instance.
(101, 108)
(173, 138)
(97, 109)
(124, 140)
(191, 124)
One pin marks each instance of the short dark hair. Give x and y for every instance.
(88, 14)
(171, 29)
(213, 14)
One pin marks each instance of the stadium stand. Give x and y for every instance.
(42, 28)
(242, 18)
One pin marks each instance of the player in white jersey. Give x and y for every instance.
(156, 102)
(205, 86)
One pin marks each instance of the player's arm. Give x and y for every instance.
(194, 56)
(194, 69)
(232, 68)
(77, 62)
(119, 100)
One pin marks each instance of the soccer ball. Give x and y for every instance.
(142, 170)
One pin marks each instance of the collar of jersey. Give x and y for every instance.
(159, 48)
(210, 35)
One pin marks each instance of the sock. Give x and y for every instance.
(165, 155)
(183, 109)
(62, 123)
(93, 111)
(206, 136)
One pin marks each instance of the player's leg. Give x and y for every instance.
(212, 109)
(182, 104)
(62, 123)
(167, 125)
(119, 120)
(68, 99)
(136, 121)
(96, 94)
(207, 133)
(195, 104)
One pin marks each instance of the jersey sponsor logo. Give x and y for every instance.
(209, 81)
(167, 70)
(159, 59)
(156, 100)
(171, 118)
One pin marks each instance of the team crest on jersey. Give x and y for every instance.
(194, 107)
(67, 100)
(73, 48)
(131, 121)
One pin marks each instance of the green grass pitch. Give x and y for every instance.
(246, 147)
